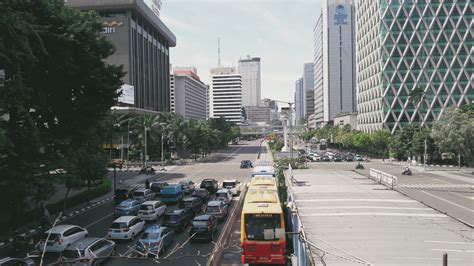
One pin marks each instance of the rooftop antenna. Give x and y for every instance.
(218, 51)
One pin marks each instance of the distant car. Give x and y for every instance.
(337, 158)
(224, 195)
(246, 164)
(233, 185)
(143, 195)
(349, 158)
(155, 240)
(325, 158)
(188, 186)
(210, 184)
(151, 210)
(89, 251)
(193, 204)
(127, 207)
(217, 208)
(358, 158)
(126, 227)
(9, 261)
(158, 186)
(178, 219)
(203, 227)
(172, 194)
(201, 193)
(60, 237)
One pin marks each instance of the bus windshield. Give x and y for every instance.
(257, 224)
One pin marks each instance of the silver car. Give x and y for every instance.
(143, 195)
(16, 261)
(88, 251)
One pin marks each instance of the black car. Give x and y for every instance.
(194, 204)
(121, 194)
(178, 219)
(246, 164)
(204, 227)
(158, 186)
(201, 193)
(349, 158)
(337, 158)
(210, 184)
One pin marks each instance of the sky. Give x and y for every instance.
(280, 32)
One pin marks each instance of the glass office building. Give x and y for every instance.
(407, 45)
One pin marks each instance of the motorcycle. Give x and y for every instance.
(359, 166)
(407, 172)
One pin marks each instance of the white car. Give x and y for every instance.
(126, 227)
(233, 185)
(143, 195)
(60, 237)
(151, 210)
(89, 251)
(224, 195)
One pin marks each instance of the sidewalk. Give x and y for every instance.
(350, 220)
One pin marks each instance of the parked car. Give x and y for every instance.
(246, 164)
(233, 185)
(172, 194)
(126, 227)
(151, 210)
(358, 158)
(193, 204)
(188, 186)
(9, 261)
(349, 158)
(224, 195)
(127, 207)
(210, 184)
(155, 240)
(89, 251)
(157, 187)
(337, 158)
(201, 193)
(178, 219)
(143, 194)
(217, 208)
(60, 237)
(203, 227)
(325, 158)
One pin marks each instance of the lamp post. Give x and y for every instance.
(162, 146)
(146, 155)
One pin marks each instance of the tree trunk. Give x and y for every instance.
(65, 199)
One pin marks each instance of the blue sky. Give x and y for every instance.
(280, 32)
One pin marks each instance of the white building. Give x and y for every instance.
(250, 70)
(225, 94)
(189, 95)
(334, 60)
(300, 100)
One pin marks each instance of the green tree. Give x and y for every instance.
(361, 141)
(380, 140)
(402, 142)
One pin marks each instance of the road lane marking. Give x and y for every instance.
(353, 200)
(447, 201)
(361, 207)
(402, 214)
(448, 242)
(101, 219)
(453, 250)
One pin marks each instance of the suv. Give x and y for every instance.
(143, 195)
(233, 185)
(217, 208)
(204, 227)
(151, 210)
(210, 184)
(60, 237)
(126, 227)
(193, 204)
(246, 164)
(178, 219)
(188, 186)
(201, 193)
(88, 250)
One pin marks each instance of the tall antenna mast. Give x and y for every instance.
(218, 52)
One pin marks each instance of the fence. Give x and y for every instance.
(385, 179)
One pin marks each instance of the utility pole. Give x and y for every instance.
(146, 156)
(426, 153)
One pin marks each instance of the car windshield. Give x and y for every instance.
(125, 204)
(229, 184)
(257, 224)
(52, 237)
(212, 209)
(200, 223)
(188, 203)
(207, 182)
(222, 195)
(118, 225)
(199, 192)
(138, 193)
(73, 253)
(148, 235)
(146, 207)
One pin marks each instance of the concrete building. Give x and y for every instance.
(273, 105)
(188, 94)
(300, 100)
(334, 59)
(225, 94)
(142, 44)
(250, 70)
(411, 45)
(308, 84)
(343, 119)
(258, 115)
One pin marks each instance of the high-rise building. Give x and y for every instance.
(404, 46)
(258, 115)
(225, 95)
(308, 84)
(334, 61)
(189, 93)
(250, 70)
(142, 44)
(300, 100)
(273, 105)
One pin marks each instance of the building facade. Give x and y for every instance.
(188, 94)
(334, 60)
(225, 94)
(258, 115)
(142, 44)
(300, 100)
(250, 70)
(412, 45)
(343, 119)
(308, 84)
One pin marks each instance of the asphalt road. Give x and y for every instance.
(221, 166)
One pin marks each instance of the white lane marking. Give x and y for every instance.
(447, 201)
(448, 242)
(101, 219)
(374, 214)
(436, 259)
(362, 207)
(453, 250)
(352, 200)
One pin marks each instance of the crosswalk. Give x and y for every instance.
(436, 186)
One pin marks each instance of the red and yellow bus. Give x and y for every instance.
(263, 182)
(262, 228)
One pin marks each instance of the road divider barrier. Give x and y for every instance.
(388, 180)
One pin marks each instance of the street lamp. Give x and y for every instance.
(162, 148)
(146, 155)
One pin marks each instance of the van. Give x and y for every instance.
(172, 194)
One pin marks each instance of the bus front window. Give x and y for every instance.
(257, 226)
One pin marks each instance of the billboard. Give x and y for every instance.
(340, 18)
(128, 94)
